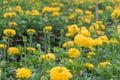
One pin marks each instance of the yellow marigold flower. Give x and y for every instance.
(91, 28)
(23, 73)
(73, 53)
(118, 31)
(89, 56)
(9, 9)
(31, 31)
(55, 9)
(13, 51)
(9, 14)
(47, 28)
(85, 33)
(60, 73)
(19, 9)
(28, 13)
(72, 16)
(55, 14)
(96, 26)
(13, 24)
(99, 22)
(116, 13)
(51, 9)
(68, 43)
(47, 57)
(108, 8)
(72, 29)
(87, 20)
(70, 60)
(102, 27)
(100, 11)
(83, 41)
(9, 32)
(31, 49)
(35, 13)
(2, 46)
(42, 57)
(5, 2)
(79, 11)
(89, 65)
(87, 12)
(104, 38)
(97, 42)
(98, 32)
(50, 56)
(68, 34)
(91, 53)
(103, 64)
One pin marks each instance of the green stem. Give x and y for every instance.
(48, 39)
(30, 39)
(45, 40)
(25, 54)
(61, 37)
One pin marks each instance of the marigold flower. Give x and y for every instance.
(50, 56)
(55, 14)
(97, 42)
(68, 34)
(60, 73)
(47, 57)
(23, 73)
(85, 33)
(83, 41)
(72, 16)
(103, 64)
(97, 26)
(116, 13)
(90, 54)
(9, 32)
(31, 31)
(108, 8)
(13, 24)
(31, 49)
(47, 28)
(100, 11)
(70, 60)
(19, 9)
(73, 52)
(68, 43)
(50, 9)
(35, 13)
(13, 50)
(2, 46)
(28, 13)
(87, 20)
(118, 31)
(79, 11)
(89, 65)
(88, 12)
(9, 14)
(98, 32)
(104, 38)
(72, 29)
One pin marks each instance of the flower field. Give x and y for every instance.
(59, 40)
